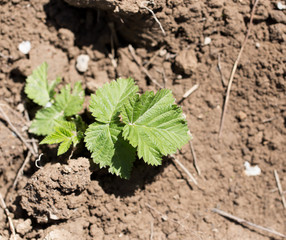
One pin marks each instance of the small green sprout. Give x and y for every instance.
(126, 123)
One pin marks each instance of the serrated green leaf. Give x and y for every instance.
(65, 132)
(37, 87)
(108, 100)
(123, 158)
(52, 85)
(64, 147)
(109, 148)
(155, 125)
(67, 103)
(70, 102)
(44, 121)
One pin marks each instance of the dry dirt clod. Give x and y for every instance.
(186, 61)
(23, 226)
(57, 187)
(59, 234)
(241, 116)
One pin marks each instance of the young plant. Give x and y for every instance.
(57, 119)
(125, 122)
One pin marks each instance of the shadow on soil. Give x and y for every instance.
(88, 25)
(142, 174)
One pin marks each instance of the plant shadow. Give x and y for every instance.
(141, 175)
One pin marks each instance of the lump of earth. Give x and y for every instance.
(131, 18)
(129, 6)
(56, 191)
(186, 61)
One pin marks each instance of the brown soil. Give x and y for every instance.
(65, 200)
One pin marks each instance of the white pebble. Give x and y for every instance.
(281, 6)
(82, 63)
(207, 40)
(257, 45)
(163, 52)
(24, 47)
(251, 170)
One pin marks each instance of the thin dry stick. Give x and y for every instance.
(154, 16)
(17, 132)
(20, 171)
(143, 69)
(33, 140)
(242, 221)
(163, 74)
(194, 157)
(234, 68)
(12, 228)
(189, 92)
(163, 216)
(280, 188)
(220, 71)
(153, 57)
(185, 170)
(152, 229)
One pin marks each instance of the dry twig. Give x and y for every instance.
(280, 188)
(153, 57)
(143, 69)
(234, 68)
(194, 157)
(185, 170)
(220, 71)
(189, 92)
(20, 171)
(242, 221)
(17, 132)
(153, 14)
(163, 75)
(152, 230)
(12, 228)
(163, 216)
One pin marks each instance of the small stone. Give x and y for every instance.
(24, 226)
(257, 45)
(20, 107)
(251, 170)
(163, 52)
(66, 38)
(24, 47)
(186, 61)
(82, 62)
(281, 6)
(59, 234)
(241, 116)
(207, 40)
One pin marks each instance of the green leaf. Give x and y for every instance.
(123, 158)
(67, 103)
(109, 99)
(37, 87)
(65, 132)
(109, 148)
(155, 125)
(44, 121)
(51, 87)
(70, 102)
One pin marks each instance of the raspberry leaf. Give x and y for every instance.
(38, 88)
